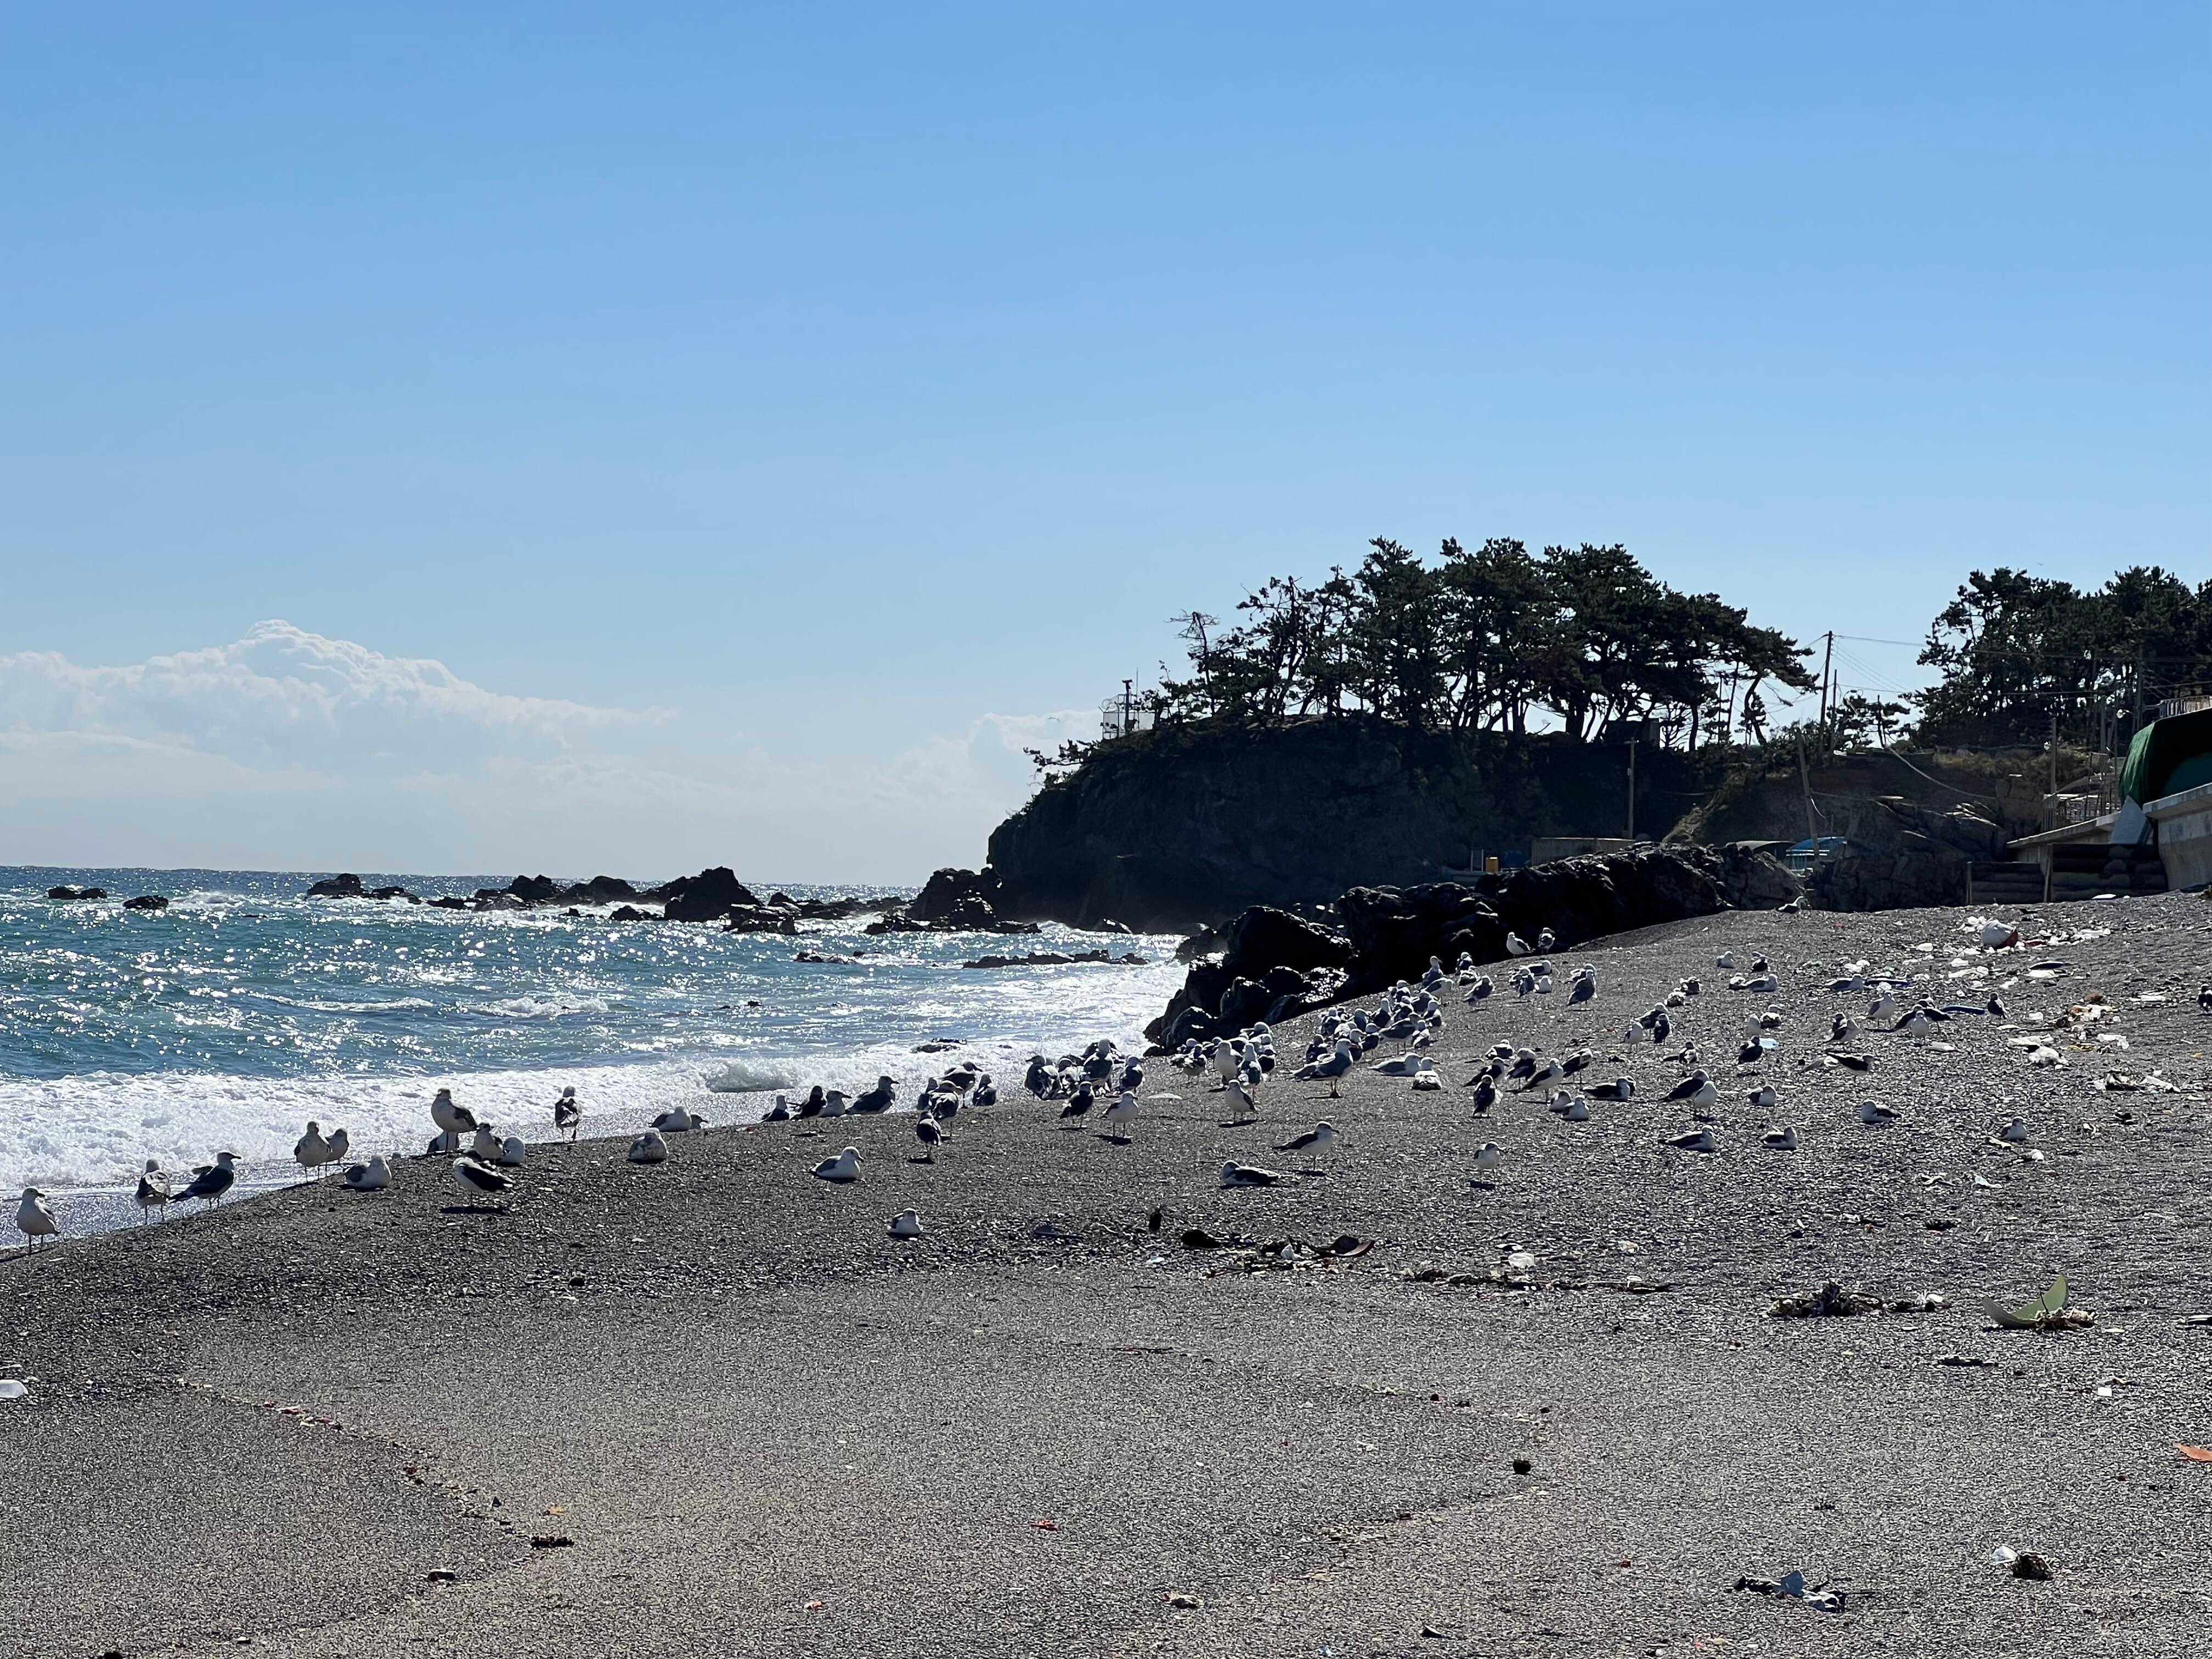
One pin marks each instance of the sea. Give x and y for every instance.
(228, 1020)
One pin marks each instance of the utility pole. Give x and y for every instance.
(1632, 792)
(1805, 780)
(2051, 812)
(1128, 709)
(1827, 667)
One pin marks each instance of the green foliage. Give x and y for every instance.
(2015, 650)
(1484, 640)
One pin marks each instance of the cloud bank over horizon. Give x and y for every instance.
(286, 750)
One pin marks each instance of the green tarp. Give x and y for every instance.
(2168, 755)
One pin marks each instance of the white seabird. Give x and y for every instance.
(34, 1220)
(212, 1181)
(484, 1143)
(1783, 1139)
(1763, 1097)
(481, 1178)
(931, 1137)
(2015, 1131)
(1546, 941)
(340, 1144)
(1425, 1076)
(1234, 1174)
(907, 1224)
(1487, 1156)
(679, 1120)
(1872, 1112)
(510, 1153)
(153, 1187)
(649, 1148)
(1515, 944)
(1585, 986)
(568, 1112)
(373, 1176)
(1322, 1135)
(834, 1102)
(878, 1099)
(1240, 1100)
(453, 1120)
(1334, 1066)
(1621, 1088)
(841, 1168)
(1696, 1140)
(1123, 1112)
(310, 1151)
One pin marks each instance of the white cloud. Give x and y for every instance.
(287, 749)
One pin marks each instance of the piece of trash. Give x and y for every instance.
(552, 1540)
(442, 1575)
(813, 1606)
(2196, 1454)
(1046, 1525)
(1186, 1602)
(2029, 1564)
(1522, 1259)
(2003, 1557)
(11, 1389)
(2105, 1392)
(2048, 1312)
(1831, 1301)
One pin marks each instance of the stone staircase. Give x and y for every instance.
(2006, 881)
(2083, 870)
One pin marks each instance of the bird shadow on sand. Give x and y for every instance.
(1113, 1140)
(473, 1209)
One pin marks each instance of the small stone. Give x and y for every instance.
(1189, 1603)
(1522, 1466)
(443, 1576)
(552, 1540)
(2028, 1564)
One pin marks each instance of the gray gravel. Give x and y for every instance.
(767, 1429)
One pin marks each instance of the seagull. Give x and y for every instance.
(2015, 1131)
(1884, 1007)
(34, 1220)
(1783, 1139)
(1078, 1108)
(1334, 1066)
(483, 1146)
(1763, 1097)
(907, 1224)
(843, 1168)
(212, 1181)
(835, 1104)
(1234, 1174)
(931, 1137)
(1575, 1111)
(649, 1148)
(878, 1099)
(1515, 944)
(1425, 1078)
(1321, 1135)
(778, 1113)
(445, 1142)
(1871, 1112)
(370, 1177)
(814, 1104)
(1725, 959)
(1404, 1066)
(1481, 990)
(1914, 1024)
(1240, 1102)
(1546, 941)
(340, 1144)
(510, 1153)
(1854, 1063)
(1842, 1028)
(568, 1112)
(1585, 986)
(1486, 1156)
(1121, 1113)
(153, 1187)
(481, 1178)
(312, 1152)
(1696, 1140)
(679, 1120)
(1621, 1088)
(1486, 1093)
(453, 1120)
(1690, 1086)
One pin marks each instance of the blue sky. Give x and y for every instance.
(820, 397)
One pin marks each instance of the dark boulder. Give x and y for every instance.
(630, 913)
(707, 897)
(341, 886)
(146, 901)
(761, 919)
(391, 893)
(602, 889)
(1263, 937)
(69, 895)
(452, 901)
(950, 892)
(535, 889)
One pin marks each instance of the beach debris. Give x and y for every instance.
(2048, 1312)
(10, 1388)
(1792, 1584)
(442, 1575)
(1831, 1301)
(2021, 1564)
(1188, 1602)
(2194, 1454)
(1197, 1238)
(1523, 1466)
(552, 1540)
(1963, 1359)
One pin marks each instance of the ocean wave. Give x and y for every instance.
(539, 1007)
(745, 1077)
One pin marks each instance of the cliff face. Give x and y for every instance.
(1182, 827)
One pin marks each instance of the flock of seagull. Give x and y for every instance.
(1410, 1017)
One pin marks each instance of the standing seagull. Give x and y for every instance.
(312, 1152)
(481, 1179)
(568, 1112)
(153, 1187)
(212, 1181)
(34, 1220)
(452, 1119)
(1121, 1113)
(1321, 1135)
(931, 1137)
(1240, 1101)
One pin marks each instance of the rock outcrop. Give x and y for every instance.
(1277, 966)
(952, 901)
(147, 902)
(707, 897)
(75, 894)
(348, 885)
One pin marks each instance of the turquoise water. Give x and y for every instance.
(229, 1019)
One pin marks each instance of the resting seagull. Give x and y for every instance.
(212, 1181)
(679, 1120)
(373, 1176)
(34, 1220)
(1873, 1113)
(1689, 1087)
(843, 1168)
(907, 1224)
(1621, 1088)
(1696, 1140)
(649, 1148)
(878, 1099)
(510, 1153)
(153, 1187)
(1234, 1174)
(1783, 1139)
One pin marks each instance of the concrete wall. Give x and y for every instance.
(2184, 836)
